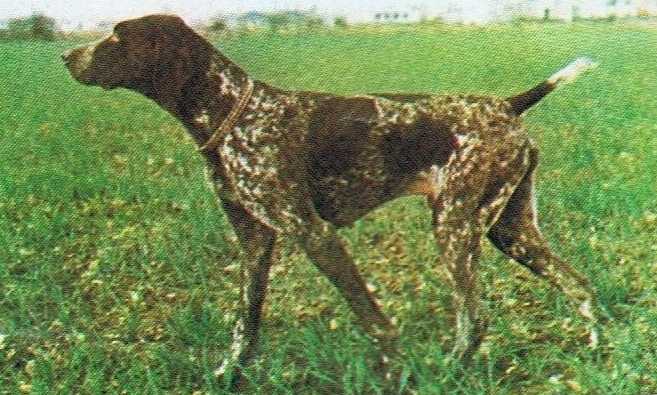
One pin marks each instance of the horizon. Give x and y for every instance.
(72, 14)
(95, 11)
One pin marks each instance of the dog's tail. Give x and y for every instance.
(525, 101)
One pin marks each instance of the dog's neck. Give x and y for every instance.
(210, 96)
(199, 90)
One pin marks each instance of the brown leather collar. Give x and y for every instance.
(231, 119)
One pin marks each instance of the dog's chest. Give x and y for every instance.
(256, 168)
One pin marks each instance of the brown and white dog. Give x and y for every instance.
(301, 164)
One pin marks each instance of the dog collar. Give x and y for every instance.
(230, 120)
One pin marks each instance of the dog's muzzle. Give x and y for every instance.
(77, 60)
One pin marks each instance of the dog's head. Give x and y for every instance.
(137, 52)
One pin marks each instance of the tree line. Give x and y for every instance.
(33, 27)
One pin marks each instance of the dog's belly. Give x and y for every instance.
(342, 204)
(342, 200)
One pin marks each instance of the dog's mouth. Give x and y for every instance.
(74, 65)
(108, 87)
(80, 63)
(83, 75)
(80, 76)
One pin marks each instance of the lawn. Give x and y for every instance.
(119, 274)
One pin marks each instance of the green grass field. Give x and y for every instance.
(118, 272)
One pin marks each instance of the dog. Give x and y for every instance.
(299, 165)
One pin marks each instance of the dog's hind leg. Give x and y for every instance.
(258, 242)
(462, 215)
(517, 234)
(459, 250)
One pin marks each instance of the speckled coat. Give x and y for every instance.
(301, 164)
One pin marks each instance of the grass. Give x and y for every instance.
(118, 272)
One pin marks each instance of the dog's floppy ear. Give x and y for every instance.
(179, 55)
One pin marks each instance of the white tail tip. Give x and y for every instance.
(570, 73)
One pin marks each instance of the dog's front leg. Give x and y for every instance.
(325, 248)
(258, 242)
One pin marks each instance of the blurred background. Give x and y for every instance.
(72, 15)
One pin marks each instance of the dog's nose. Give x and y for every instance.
(66, 54)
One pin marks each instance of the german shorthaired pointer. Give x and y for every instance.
(302, 164)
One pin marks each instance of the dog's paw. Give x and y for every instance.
(468, 340)
(596, 316)
(594, 337)
(394, 377)
(230, 376)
